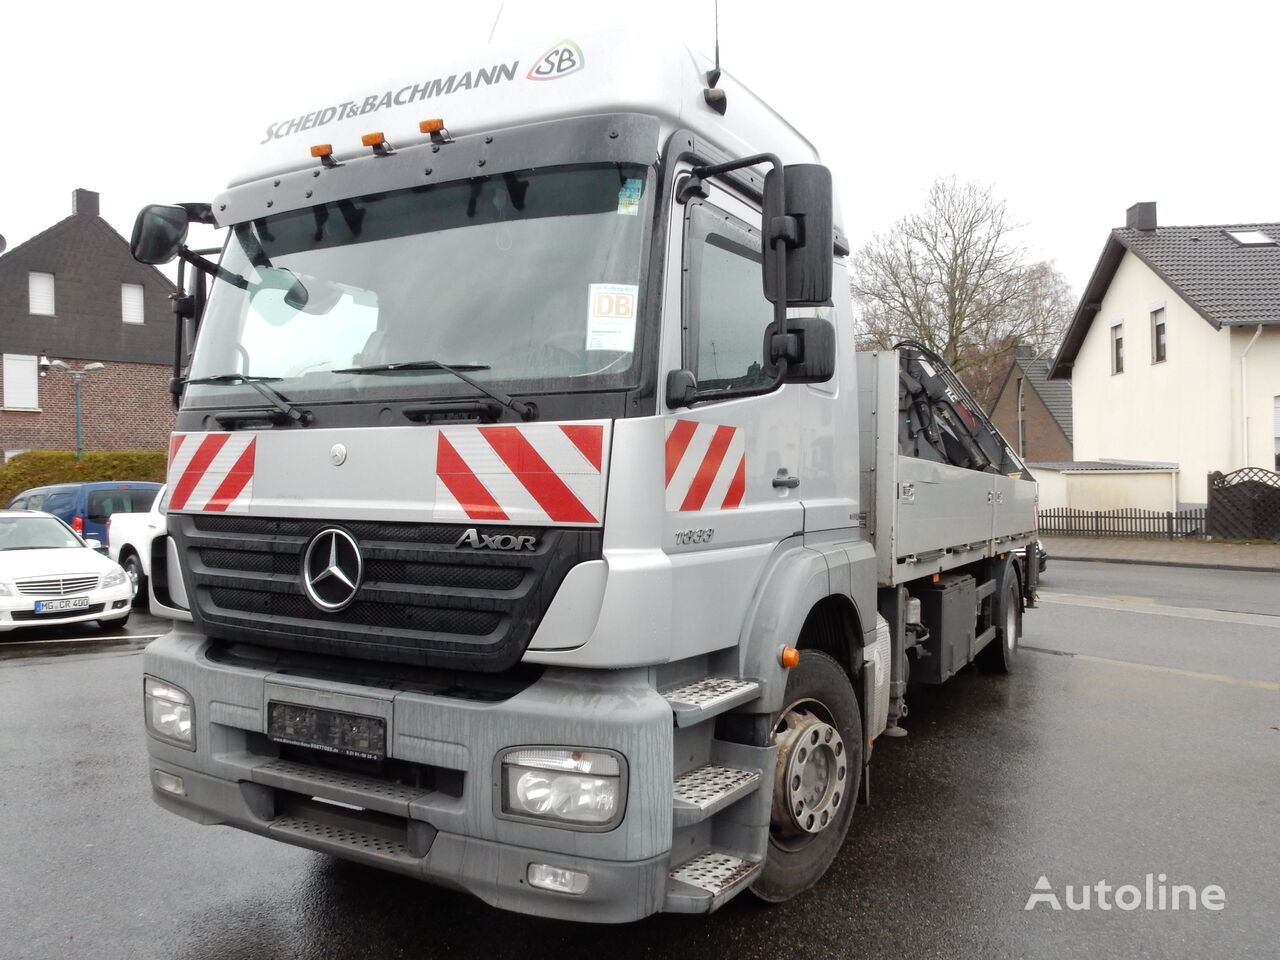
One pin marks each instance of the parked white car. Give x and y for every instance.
(129, 537)
(50, 576)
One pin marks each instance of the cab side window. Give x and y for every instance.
(725, 312)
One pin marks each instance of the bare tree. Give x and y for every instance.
(953, 278)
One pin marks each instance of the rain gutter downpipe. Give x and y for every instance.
(1244, 397)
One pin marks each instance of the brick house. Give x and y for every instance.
(1032, 411)
(74, 293)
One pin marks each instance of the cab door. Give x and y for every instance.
(731, 464)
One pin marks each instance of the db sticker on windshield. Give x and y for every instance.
(611, 316)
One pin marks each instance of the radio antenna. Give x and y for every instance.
(713, 76)
(499, 17)
(715, 98)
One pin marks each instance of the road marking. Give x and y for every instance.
(1151, 608)
(1152, 668)
(74, 641)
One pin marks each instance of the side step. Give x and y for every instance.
(708, 881)
(706, 790)
(694, 702)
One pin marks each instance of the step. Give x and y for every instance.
(694, 702)
(353, 788)
(340, 841)
(704, 791)
(708, 881)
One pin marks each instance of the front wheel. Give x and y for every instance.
(816, 780)
(133, 570)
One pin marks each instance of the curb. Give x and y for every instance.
(1053, 557)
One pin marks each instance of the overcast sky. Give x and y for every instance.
(1072, 112)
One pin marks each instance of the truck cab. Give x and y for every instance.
(519, 493)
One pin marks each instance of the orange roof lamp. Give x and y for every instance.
(324, 152)
(379, 144)
(436, 127)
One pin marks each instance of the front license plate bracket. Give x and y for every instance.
(330, 731)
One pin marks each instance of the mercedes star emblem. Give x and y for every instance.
(332, 569)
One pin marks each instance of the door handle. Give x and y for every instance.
(785, 480)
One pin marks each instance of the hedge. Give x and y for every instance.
(39, 468)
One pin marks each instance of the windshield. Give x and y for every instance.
(35, 533)
(528, 278)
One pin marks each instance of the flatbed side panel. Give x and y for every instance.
(924, 516)
(941, 507)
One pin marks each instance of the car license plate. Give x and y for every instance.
(66, 603)
(349, 734)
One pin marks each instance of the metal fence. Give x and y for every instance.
(1127, 522)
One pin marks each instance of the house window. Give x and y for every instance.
(131, 302)
(1117, 348)
(21, 382)
(1157, 336)
(40, 294)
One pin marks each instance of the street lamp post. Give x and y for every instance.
(77, 376)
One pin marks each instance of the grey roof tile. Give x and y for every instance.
(1226, 282)
(1055, 394)
(1223, 281)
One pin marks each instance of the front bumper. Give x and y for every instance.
(450, 833)
(107, 604)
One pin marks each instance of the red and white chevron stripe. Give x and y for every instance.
(535, 473)
(706, 466)
(211, 471)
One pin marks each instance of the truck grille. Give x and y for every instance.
(422, 599)
(57, 586)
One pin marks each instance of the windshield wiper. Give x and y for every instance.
(275, 397)
(526, 411)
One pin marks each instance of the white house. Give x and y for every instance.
(1174, 350)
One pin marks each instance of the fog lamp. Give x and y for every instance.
(556, 879)
(168, 783)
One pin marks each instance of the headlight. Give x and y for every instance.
(563, 785)
(112, 579)
(6, 590)
(169, 713)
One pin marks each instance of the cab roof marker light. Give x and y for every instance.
(378, 142)
(324, 152)
(436, 127)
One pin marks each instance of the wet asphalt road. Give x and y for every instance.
(1140, 735)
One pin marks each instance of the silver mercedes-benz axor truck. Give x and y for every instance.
(541, 531)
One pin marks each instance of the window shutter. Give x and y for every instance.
(20, 382)
(40, 293)
(131, 302)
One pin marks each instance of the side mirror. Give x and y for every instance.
(810, 347)
(93, 544)
(802, 213)
(158, 233)
(682, 388)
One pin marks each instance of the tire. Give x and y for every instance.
(132, 565)
(116, 623)
(999, 655)
(806, 833)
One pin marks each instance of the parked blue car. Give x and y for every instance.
(85, 507)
